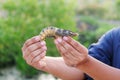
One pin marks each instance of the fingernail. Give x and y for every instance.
(59, 40)
(65, 38)
(45, 48)
(37, 38)
(42, 43)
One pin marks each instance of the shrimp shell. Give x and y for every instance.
(55, 32)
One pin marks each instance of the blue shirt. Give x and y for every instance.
(107, 49)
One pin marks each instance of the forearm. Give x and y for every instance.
(57, 67)
(99, 70)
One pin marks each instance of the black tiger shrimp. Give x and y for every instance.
(55, 32)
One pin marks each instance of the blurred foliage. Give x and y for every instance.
(103, 9)
(25, 19)
(92, 22)
(114, 11)
(93, 10)
(118, 8)
(92, 30)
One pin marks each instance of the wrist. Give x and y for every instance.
(85, 62)
(45, 63)
(51, 62)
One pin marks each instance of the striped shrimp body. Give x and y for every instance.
(55, 32)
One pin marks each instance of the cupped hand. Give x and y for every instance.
(34, 52)
(73, 53)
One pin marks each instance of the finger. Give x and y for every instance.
(41, 64)
(57, 46)
(72, 51)
(36, 53)
(74, 57)
(82, 51)
(75, 44)
(66, 51)
(31, 41)
(71, 54)
(63, 47)
(33, 47)
(38, 58)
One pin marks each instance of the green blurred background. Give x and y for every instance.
(23, 19)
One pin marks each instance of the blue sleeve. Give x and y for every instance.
(103, 49)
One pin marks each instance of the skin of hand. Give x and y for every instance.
(76, 55)
(34, 51)
(72, 51)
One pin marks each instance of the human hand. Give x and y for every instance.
(34, 52)
(72, 52)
